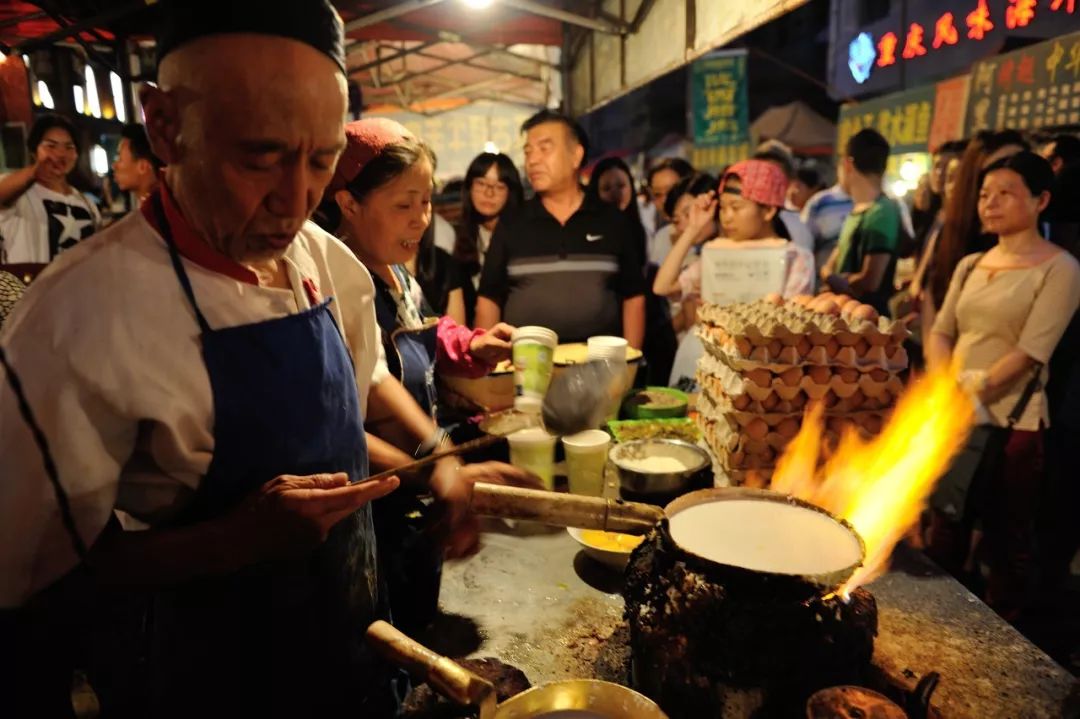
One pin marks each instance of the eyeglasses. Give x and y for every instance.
(53, 145)
(490, 188)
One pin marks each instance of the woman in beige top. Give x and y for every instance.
(1004, 313)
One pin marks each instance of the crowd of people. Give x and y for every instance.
(214, 371)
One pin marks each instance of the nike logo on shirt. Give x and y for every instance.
(593, 238)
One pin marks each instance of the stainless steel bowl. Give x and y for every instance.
(634, 480)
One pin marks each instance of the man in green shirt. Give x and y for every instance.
(863, 264)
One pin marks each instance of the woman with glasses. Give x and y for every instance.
(492, 187)
(41, 214)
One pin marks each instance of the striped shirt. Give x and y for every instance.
(824, 215)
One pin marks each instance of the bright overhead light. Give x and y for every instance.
(80, 100)
(118, 96)
(899, 189)
(92, 100)
(909, 171)
(99, 161)
(491, 147)
(45, 95)
(26, 60)
(478, 4)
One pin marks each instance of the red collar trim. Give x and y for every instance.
(189, 243)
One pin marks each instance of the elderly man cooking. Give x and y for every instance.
(181, 407)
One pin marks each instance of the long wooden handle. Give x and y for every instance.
(469, 446)
(446, 676)
(564, 510)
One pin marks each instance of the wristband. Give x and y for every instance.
(439, 437)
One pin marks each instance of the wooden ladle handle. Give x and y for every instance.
(445, 675)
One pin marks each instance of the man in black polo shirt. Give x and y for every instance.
(561, 261)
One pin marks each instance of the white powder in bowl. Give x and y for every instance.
(654, 464)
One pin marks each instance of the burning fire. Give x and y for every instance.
(881, 485)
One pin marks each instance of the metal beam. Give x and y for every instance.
(454, 37)
(598, 24)
(404, 52)
(639, 17)
(478, 66)
(449, 63)
(402, 8)
(466, 89)
(104, 20)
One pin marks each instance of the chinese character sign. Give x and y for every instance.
(950, 107)
(905, 119)
(719, 109)
(1037, 86)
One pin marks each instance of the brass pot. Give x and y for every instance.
(604, 700)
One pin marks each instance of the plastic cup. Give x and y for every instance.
(534, 361)
(533, 450)
(613, 350)
(586, 459)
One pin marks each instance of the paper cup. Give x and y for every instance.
(533, 450)
(534, 358)
(612, 349)
(586, 459)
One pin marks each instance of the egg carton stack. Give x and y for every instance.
(766, 361)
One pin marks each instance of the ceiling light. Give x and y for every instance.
(118, 96)
(478, 4)
(80, 100)
(92, 101)
(45, 95)
(99, 161)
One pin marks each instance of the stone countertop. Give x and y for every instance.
(540, 604)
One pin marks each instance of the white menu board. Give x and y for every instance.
(743, 271)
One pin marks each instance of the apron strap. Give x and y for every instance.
(178, 265)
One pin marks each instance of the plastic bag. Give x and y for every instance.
(581, 395)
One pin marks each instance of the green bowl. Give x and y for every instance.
(655, 403)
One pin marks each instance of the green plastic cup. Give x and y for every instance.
(534, 361)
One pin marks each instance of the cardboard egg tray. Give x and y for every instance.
(778, 357)
(814, 382)
(783, 424)
(756, 324)
(756, 435)
(745, 408)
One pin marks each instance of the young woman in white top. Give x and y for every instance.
(751, 195)
(41, 214)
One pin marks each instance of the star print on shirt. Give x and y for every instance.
(68, 224)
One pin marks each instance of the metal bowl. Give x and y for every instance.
(580, 697)
(634, 480)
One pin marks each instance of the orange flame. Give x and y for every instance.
(881, 485)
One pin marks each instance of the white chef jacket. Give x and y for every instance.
(107, 347)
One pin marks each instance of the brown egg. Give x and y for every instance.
(743, 346)
(757, 429)
(872, 423)
(803, 346)
(770, 402)
(865, 312)
(839, 424)
(802, 300)
(850, 306)
(774, 348)
(831, 347)
(879, 375)
(826, 307)
(760, 377)
(831, 399)
(788, 428)
(856, 400)
(820, 375)
(738, 459)
(797, 402)
(826, 295)
(862, 347)
(773, 298)
(792, 377)
(848, 375)
(741, 402)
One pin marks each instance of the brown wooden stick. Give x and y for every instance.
(469, 446)
(564, 510)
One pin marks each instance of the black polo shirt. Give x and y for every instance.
(570, 278)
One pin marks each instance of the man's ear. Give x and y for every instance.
(162, 122)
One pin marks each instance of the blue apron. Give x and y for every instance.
(409, 558)
(282, 638)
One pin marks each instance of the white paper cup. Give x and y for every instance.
(534, 361)
(533, 450)
(586, 459)
(607, 347)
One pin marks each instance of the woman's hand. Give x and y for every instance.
(702, 212)
(493, 346)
